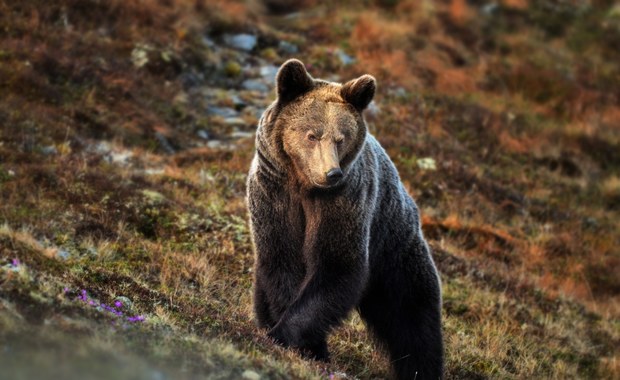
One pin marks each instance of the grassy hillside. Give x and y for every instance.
(126, 131)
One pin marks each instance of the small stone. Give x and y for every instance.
(235, 121)
(241, 135)
(237, 101)
(181, 98)
(164, 143)
(49, 150)
(222, 111)
(103, 147)
(208, 42)
(217, 144)
(120, 157)
(269, 73)
(344, 57)
(490, 8)
(590, 222)
(153, 196)
(288, 48)
(426, 163)
(203, 134)
(63, 254)
(254, 85)
(154, 171)
(190, 79)
(373, 109)
(399, 92)
(243, 41)
(250, 375)
(158, 375)
(139, 56)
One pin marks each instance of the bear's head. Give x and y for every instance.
(315, 128)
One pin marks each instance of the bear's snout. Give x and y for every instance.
(333, 176)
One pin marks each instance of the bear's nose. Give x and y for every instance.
(334, 175)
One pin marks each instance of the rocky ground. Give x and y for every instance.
(126, 131)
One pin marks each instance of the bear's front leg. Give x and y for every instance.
(336, 253)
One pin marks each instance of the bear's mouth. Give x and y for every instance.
(326, 186)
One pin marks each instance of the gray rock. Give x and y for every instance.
(153, 197)
(157, 375)
(269, 73)
(235, 121)
(254, 85)
(110, 154)
(490, 8)
(241, 135)
(121, 158)
(250, 375)
(373, 109)
(49, 150)
(63, 254)
(164, 143)
(398, 92)
(208, 42)
(243, 41)
(237, 101)
(344, 57)
(154, 171)
(103, 147)
(288, 47)
(222, 111)
(218, 144)
(203, 134)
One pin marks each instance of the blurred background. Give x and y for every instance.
(126, 131)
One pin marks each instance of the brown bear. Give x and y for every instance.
(334, 229)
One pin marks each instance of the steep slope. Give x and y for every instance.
(126, 132)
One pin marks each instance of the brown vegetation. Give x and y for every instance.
(105, 184)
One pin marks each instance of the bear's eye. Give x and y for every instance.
(340, 141)
(312, 137)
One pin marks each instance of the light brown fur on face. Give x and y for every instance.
(313, 127)
(317, 136)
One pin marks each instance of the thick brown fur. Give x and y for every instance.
(334, 229)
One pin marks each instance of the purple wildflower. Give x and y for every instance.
(83, 296)
(115, 310)
(15, 262)
(137, 318)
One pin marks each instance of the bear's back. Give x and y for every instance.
(396, 216)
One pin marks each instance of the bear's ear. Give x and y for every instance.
(292, 80)
(359, 92)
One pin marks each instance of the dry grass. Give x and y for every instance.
(521, 209)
